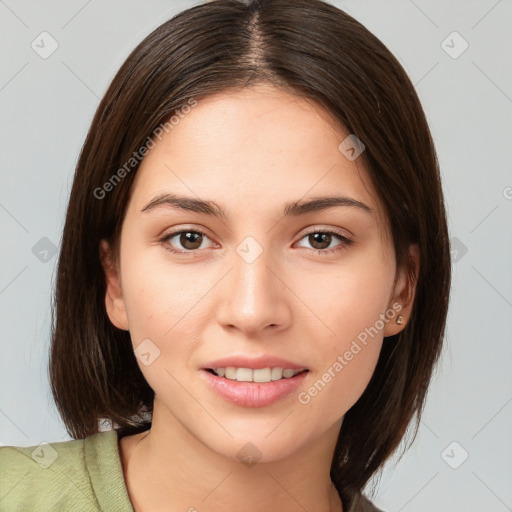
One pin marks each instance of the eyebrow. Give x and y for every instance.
(294, 208)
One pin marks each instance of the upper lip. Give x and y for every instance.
(254, 363)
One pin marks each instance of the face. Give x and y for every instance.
(262, 285)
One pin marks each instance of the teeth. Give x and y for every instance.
(262, 375)
(259, 375)
(244, 375)
(277, 373)
(230, 373)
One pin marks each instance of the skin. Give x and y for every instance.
(251, 151)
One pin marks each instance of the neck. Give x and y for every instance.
(168, 469)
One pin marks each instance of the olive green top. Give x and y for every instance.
(78, 475)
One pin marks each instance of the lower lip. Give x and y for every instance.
(253, 394)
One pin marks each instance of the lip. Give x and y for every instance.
(253, 394)
(254, 363)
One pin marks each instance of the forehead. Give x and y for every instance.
(257, 147)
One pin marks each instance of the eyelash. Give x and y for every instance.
(346, 242)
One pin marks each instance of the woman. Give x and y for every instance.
(254, 272)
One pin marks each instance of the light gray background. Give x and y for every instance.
(47, 106)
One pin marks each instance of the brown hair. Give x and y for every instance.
(306, 47)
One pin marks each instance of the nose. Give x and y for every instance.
(254, 297)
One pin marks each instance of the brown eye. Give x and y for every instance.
(320, 240)
(186, 240)
(191, 240)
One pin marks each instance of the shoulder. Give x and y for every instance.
(65, 475)
(44, 475)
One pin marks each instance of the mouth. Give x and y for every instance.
(258, 375)
(250, 388)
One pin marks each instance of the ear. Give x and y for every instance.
(114, 302)
(402, 297)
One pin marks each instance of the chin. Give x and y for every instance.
(250, 446)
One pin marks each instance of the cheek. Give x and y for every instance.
(350, 304)
(157, 294)
(331, 393)
(162, 318)
(345, 364)
(166, 305)
(348, 300)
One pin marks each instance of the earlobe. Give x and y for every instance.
(403, 297)
(114, 302)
